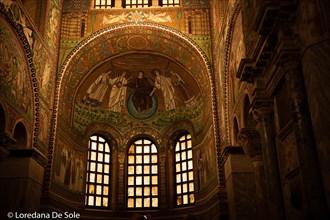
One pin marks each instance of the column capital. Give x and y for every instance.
(251, 141)
(262, 106)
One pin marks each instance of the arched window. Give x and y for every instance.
(136, 3)
(184, 174)
(98, 173)
(99, 4)
(142, 175)
(169, 2)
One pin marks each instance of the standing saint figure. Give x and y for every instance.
(99, 87)
(165, 85)
(142, 95)
(118, 92)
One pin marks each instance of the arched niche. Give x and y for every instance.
(20, 136)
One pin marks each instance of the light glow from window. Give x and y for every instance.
(184, 173)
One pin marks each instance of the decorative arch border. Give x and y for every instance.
(108, 131)
(95, 35)
(231, 24)
(174, 131)
(17, 27)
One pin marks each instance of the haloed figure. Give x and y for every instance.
(164, 84)
(142, 94)
(118, 92)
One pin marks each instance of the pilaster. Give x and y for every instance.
(263, 114)
(306, 146)
(251, 142)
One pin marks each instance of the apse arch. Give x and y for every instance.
(110, 43)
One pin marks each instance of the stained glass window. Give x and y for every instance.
(184, 172)
(142, 175)
(98, 173)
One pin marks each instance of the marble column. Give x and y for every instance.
(263, 114)
(306, 145)
(249, 138)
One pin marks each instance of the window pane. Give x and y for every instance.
(191, 187)
(101, 147)
(131, 180)
(100, 168)
(105, 202)
(94, 146)
(177, 157)
(154, 202)
(139, 149)
(146, 169)
(155, 191)
(154, 180)
(146, 191)
(184, 177)
(178, 189)
(191, 175)
(130, 169)
(184, 187)
(185, 199)
(107, 158)
(139, 169)
(147, 202)
(130, 159)
(130, 203)
(190, 165)
(105, 190)
(139, 180)
(146, 159)
(154, 169)
(99, 178)
(98, 190)
(93, 166)
(138, 202)
(106, 168)
(92, 178)
(93, 156)
(91, 200)
(138, 159)
(100, 157)
(130, 191)
(153, 149)
(179, 200)
(189, 154)
(107, 148)
(139, 191)
(178, 178)
(154, 158)
(147, 180)
(98, 201)
(91, 189)
(192, 198)
(106, 179)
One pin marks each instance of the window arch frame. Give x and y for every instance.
(134, 186)
(103, 174)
